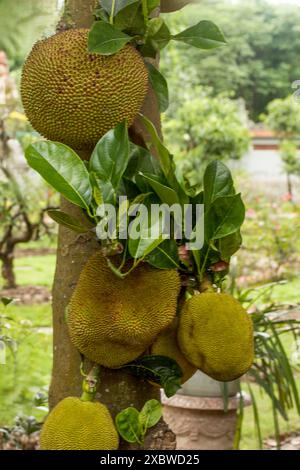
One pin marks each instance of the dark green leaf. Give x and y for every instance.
(106, 191)
(160, 369)
(141, 161)
(158, 36)
(105, 39)
(69, 221)
(63, 169)
(150, 414)
(165, 256)
(128, 425)
(217, 182)
(6, 301)
(225, 217)
(160, 86)
(152, 4)
(110, 156)
(131, 20)
(166, 194)
(229, 245)
(204, 35)
(119, 5)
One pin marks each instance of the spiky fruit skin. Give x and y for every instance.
(112, 321)
(74, 97)
(166, 344)
(216, 335)
(79, 425)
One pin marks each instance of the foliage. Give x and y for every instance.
(259, 63)
(283, 117)
(24, 26)
(205, 128)
(132, 425)
(23, 435)
(290, 157)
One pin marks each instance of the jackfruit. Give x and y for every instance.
(216, 335)
(74, 97)
(166, 345)
(79, 425)
(112, 321)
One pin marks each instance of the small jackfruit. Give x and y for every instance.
(112, 321)
(216, 335)
(166, 345)
(79, 425)
(74, 97)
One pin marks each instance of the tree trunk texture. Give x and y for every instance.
(7, 271)
(117, 389)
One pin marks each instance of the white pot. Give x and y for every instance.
(200, 385)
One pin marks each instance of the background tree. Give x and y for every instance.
(206, 128)
(283, 117)
(258, 63)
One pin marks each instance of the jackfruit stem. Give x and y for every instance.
(89, 384)
(206, 285)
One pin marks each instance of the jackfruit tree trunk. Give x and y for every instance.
(117, 389)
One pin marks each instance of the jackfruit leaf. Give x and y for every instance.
(167, 6)
(131, 20)
(6, 301)
(160, 86)
(217, 182)
(165, 256)
(62, 218)
(128, 425)
(229, 245)
(204, 35)
(158, 36)
(225, 216)
(142, 161)
(167, 195)
(63, 169)
(144, 235)
(159, 369)
(105, 39)
(150, 415)
(119, 5)
(106, 193)
(111, 155)
(166, 160)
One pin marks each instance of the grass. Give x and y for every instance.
(22, 378)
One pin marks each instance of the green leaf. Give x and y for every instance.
(105, 39)
(131, 20)
(111, 155)
(166, 160)
(160, 86)
(225, 217)
(69, 221)
(204, 35)
(141, 161)
(229, 245)
(128, 425)
(217, 182)
(119, 5)
(167, 195)
(158, 36)
(152, 4)
(106, 192)
(159, 369)
(6, 301)
(165, 256)
(150, 414)
(63, 169)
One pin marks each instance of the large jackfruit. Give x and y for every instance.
(216, 335)
(75, 97)
(166, 345)
(79, 425)
(113, 321)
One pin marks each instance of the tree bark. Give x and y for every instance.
(117, 389)
(7, 271)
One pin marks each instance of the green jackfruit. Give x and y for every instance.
(79, 425)
(113, 321)
(216, 335)
(74, 97)
(166, 345)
